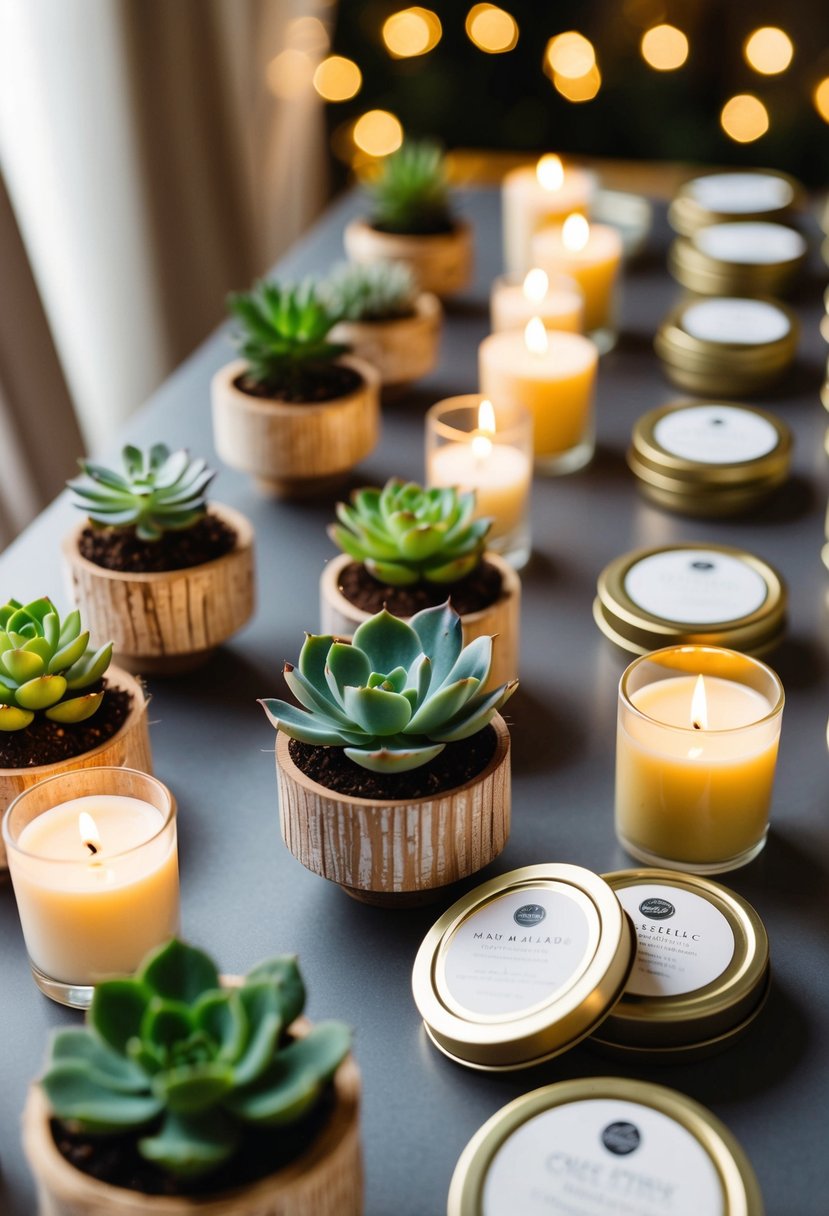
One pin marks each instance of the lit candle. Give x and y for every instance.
(534, 196)
(589, 253)
(559, 302)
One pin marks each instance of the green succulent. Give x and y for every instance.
(411, 192)
(404, 534)
(371, 291)
(190, 1066)
(46, 664)
(396, 695)
(159, 491)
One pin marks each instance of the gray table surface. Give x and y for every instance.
(244, 897)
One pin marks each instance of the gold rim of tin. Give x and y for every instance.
(719, 383)
(704, 504)
(629, 646)
(686, 215)
(741, 1190)
(708, 275)
(703, 352)
(505, 1042)
(697, 488)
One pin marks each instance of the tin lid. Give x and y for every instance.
(757, 194)
(600, 1144)
(745, 258)
(747, 332)
(705, 593)
(523, 967)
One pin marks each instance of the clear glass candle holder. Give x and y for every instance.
(557, 299)
(695, 758)
(489, 449)
(93, 858)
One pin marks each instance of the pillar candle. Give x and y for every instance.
(534, 196)
(558, 301)
(589, 253)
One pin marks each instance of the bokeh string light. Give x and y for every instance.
(491, 29)
(411, 32)
(664, 48)
(768, 50)
(744, 118)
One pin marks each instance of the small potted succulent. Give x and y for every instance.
(385, 320)
(407, 548)
(186, 1095)
(295, 411)
(62, 705)
(394, 777)
(153, 566)
(412, 221)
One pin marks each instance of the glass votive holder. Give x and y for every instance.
(476, 446)
(93, 860)
(592, 255)
(696, 749)
(557, 299)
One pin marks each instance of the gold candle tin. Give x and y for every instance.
(739, 259)
(523, 967)
(716, 198)
(708, 458)
(603, 1144)
(702, 593)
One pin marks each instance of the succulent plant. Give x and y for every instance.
(188, 1065)
(46, 665)
(159, 491)
(404, 534)
(371, 291)
(411, 192)
(396, 695)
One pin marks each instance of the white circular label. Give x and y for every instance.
(696, 586)
(602, 1157)
(757, 243)
(741, 193)
(715, 434)
(683, 941)
(517, 951)
(735, 320)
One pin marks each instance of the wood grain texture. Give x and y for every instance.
(155, 620)
(501, 620)
(402, 350)
(396, 847)
(441, 263)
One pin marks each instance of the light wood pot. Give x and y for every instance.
(502, 619)
(295, 449)
(324, 1181)
(129, 747)
(403, 349)
(399, 853)
(167, 622)
(442, 262)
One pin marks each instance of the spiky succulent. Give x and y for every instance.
(190, 1066)
(47, 665)
(284, 332)
(404, 534)
(371, 291)
(159, 491)
(396, 695)
(411, 192)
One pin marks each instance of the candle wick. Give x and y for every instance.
(697, 725)
(93, 849)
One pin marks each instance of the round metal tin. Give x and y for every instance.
(716, 198)
(730, 259)
(572, 1145)
(523, 967)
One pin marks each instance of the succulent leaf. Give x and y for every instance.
(284, 974)
(411, 192)
(106, 1065)
(117, 1011)
(179, 972)
(76, 709)
(41, 693)
(292, 1083)
(160, 491)
(373, 291)
(84, 1099)
(190, 1145)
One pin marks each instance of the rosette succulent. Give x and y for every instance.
(371, 291)
(411, 192)
(190, 1066)
(158, 491)
(396, 695)
(47, 665)
(404, 534)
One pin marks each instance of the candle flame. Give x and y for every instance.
(536, 285)
(88, 830)
(575, 233)
(481, 443)
(550, 172)
(699, 706)
(535, 337)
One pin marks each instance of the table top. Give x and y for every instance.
(245, 898)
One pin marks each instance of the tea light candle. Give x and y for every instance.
(534, 196)
(559, 302)
(589, 253)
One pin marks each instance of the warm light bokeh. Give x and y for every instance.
(410, 32)
(337, 78)
(583, 88)
(768, 50)
(570, 55)
(491, 29)
(289, 74)
(378, 132)
(550, 172)
(820, 97)
(575, 233)
(664, 48)
(536, 285)
(744, 118)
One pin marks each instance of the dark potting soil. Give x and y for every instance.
(47, 742)
(439, 227)
(324, 383)
(120, 549)
(456, 764)
(478, 590)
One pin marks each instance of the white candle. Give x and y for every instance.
(558, 301)
(534, 196)
(589, 253)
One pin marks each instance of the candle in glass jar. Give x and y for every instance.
(559, 302)
(534, 196)
(591, 254)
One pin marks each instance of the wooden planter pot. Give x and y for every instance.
(502, 619)
(402, 350)
(396, 854)
(442, 263)
(163, 623)
(325, 1181)
(293, 450)
(129, 747)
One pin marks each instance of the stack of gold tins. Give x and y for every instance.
(717, 198)
(751, 258)
(824, 329)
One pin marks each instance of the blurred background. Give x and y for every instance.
(155, 155)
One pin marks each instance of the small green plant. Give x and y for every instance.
(47, 665)
(411, 192)
(395, 696)
(159, 491)
(372, 291)
(404, 534)
(189, 1066)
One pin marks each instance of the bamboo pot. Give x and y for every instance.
(295, 449)
(402, 349)
(338, 616)
(441, 262)
(399, 853)
(325, 1181)
(171, 621)
(129, 747)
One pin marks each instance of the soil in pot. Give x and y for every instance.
(121, 550)
(428, 228)
(47, 742)
(326, 384)
(477, 591)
